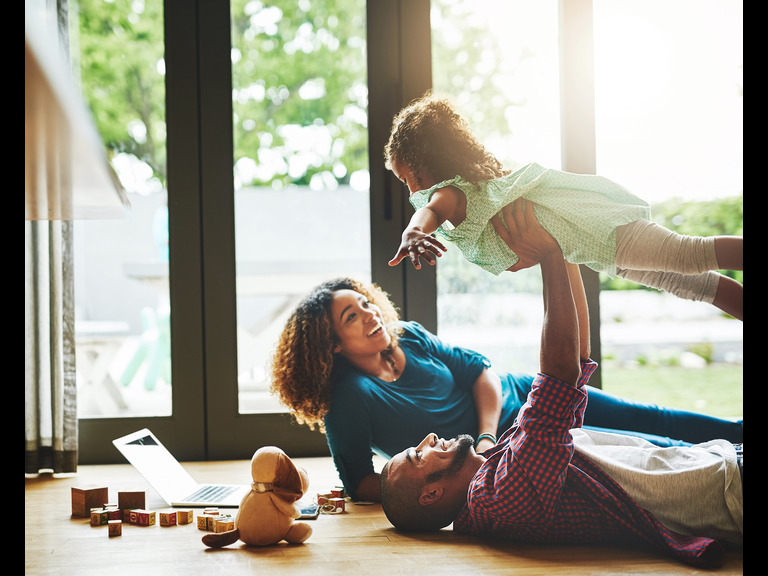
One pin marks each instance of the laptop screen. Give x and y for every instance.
(156, 464)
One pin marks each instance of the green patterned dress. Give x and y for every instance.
(580, 211)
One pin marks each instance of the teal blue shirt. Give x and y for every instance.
(433, 394)
(580, 211)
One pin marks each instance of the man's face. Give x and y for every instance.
(433, 459)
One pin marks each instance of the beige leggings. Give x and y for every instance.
(654, 256)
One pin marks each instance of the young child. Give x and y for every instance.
(457, 187)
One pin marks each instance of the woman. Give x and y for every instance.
(346, 365)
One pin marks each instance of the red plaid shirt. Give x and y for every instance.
(534, 487)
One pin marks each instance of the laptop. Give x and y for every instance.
(174, 484)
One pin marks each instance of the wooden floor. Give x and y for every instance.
(357, 542)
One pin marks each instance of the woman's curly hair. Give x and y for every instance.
(302, 362)
(430, 135)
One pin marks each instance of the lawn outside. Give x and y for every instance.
(715, 389)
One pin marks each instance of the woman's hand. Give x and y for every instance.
(415, 245)
(524, 235)
(483, 445)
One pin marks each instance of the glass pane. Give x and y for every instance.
(121, 266)
(301, 166)
(669, 119)
(498, 62)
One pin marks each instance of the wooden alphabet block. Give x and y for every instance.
(185, 516)
(99, 517)
(223, 524)
(322, 498)
(202, 521)
(145, 517)
(168, 518)
(83, 499)
(115, 528)
(337, 503)
(114, 513)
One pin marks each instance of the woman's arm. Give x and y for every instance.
(487, 394)
(369, 489)
(582, 311)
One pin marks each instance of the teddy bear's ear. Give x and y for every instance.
(287, 482)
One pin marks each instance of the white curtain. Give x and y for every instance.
(50, 400)
(50, 395)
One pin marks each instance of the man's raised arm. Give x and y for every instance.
(560, 342)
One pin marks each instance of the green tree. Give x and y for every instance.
(123, 76)
(299, 90)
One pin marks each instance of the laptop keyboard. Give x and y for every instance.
(211, 493)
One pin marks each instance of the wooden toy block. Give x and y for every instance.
(131, 500)
(323, 498)
(223, 524)
(145, 517)
(337, 503)
(115, 528)
(99, 517)
(185, 516)
(168, 519)
(114, 513)
(202, 521)
(83, 499)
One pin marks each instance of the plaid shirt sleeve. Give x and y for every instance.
(528, 466)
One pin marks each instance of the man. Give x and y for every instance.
(546, 479)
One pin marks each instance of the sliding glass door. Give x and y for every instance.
(301, 177)
(498, 62)
(139, 336)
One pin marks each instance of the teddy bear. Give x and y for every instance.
(267, 513)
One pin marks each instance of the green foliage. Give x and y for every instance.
(123, 76)
(299, 90)
(299, 85)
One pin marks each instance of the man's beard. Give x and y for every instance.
(460, 457)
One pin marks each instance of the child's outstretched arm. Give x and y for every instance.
(417, 241)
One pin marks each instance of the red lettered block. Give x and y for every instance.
(115, 528)
(145, 517)
(338, 504)
(168, 519)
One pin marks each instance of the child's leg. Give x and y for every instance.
(730, 252)
(696, 287)
(710, 287)
(730, 297)
(644, 245)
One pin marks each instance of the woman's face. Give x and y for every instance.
(358, 325)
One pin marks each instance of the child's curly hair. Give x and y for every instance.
(430, 135)
(302, 362)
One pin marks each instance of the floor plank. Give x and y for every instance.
(359, 542)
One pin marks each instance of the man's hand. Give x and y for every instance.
(524, 235)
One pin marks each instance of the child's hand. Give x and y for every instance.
(415, 245)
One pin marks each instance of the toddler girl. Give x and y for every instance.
(457, 187)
